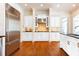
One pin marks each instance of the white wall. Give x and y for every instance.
(64, 24)
(41, 12)
(76, 25)
(2, 27)
(2, 19)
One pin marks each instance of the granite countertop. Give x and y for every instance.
(72, 35)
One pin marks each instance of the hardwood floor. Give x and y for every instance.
(40, 49)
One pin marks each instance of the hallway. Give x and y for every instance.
(42, 48)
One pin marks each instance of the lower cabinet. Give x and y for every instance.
(12, 47)
(54, 36)
(70, 45)
(40, 36)
(26, 36)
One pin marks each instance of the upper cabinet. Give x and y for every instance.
(36, 20)
(28, 21)
(55, 23)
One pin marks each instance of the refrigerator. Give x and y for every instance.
(12, 42)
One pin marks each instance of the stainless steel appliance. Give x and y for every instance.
(12, 42)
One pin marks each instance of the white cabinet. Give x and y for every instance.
(28, 21)
(41, 36)
(37, 36)
(54, 36)
(26, 36)
(62, 40)
(74, 47)
(54, 21)
(69, 44)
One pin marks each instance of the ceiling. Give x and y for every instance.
(59, 9)
(66, 7)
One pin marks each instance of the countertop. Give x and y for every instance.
(72, 35)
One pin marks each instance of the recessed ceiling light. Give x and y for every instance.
(41, 5)
(58, 5)
(74, 5)
(25, 4)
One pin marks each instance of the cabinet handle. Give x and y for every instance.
(68, 42)
(78, 45)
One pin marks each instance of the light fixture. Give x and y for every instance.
(41, 5)
(58, 5)
(25, 4)
(74, 5)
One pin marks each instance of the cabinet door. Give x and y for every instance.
(73, 49)
(27, 36)
(36, 37)
(61, 40)
(41, 36)
(54, 21)
(54, 36)
(28, 21)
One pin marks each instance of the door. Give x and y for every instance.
(12, 30)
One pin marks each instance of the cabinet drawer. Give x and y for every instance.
(12, 47)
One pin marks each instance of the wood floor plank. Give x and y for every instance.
(40, 48)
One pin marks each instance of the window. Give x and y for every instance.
(64, 25)
(76, 24)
